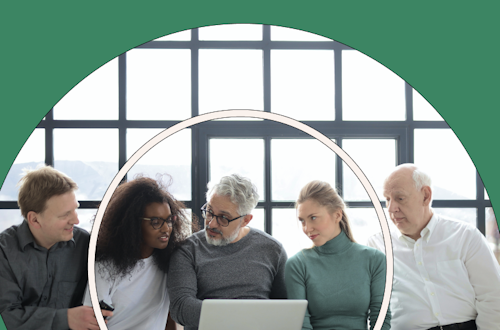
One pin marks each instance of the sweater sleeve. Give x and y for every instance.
(296, 286)
(278, 290)
(182, 286)
(377, 288)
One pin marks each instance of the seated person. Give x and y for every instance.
(141, 226)
(445, 275)
(343, 281)
(43, 261)
(227, 260)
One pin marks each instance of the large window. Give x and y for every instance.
(362, 106)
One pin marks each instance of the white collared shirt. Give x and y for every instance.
(449, 275)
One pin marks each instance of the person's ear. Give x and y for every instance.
(337, 215)
(33, 220)
(427, 195)
(246, 219)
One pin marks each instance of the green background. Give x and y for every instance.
(447, 50)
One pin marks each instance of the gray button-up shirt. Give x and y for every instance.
(37, 286)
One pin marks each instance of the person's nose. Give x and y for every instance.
(307, 228)
(213, 223)
(74, 218)
(392, 207)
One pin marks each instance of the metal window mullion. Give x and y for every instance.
(410, 132)
(266, 66)
(481, 212)
(195, 72)
(203, 169)
(337, 53)
(339, 179)
(49, 138)
(122, 111)
(268, 223)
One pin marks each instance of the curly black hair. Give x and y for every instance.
(120, 235)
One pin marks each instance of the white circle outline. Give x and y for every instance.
(252, 114)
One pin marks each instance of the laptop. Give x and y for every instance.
(252, 314)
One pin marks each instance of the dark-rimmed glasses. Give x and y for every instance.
(221, 219)
(157, 223)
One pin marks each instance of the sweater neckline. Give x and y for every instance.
(338, 244)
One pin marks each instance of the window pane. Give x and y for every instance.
(423, 110)
(31, 155)
(280, 33)
(178, 36)
(10, 218)
(230, 79)
(89, 157)
(95, 97)
(486, 196)
(258, 219)
(376, 158)
(295, 162)
(468, 215)
(172, 156)
(303, 84)
(287, 230)
(231, 32)
(158, 84)
(86, 217)
(240, 156)
(492, 234)
(439, 150)
(364, 223)
(370, 91)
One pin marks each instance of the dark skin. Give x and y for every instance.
(171, 325)
(155, 238)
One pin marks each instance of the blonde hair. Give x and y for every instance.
(323, 193)
(36, 187)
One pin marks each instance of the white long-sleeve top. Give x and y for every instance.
(140, 298)
(449, 275)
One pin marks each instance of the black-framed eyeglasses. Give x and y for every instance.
(157, 223)
(221, 219)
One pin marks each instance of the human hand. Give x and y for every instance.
(83, 318)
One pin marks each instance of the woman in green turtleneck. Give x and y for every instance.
(343, 281)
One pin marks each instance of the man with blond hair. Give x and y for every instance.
(43, 261)
(445, 275)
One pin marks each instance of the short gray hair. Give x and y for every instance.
(241, 191)
(421, 179)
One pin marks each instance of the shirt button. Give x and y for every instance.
(432, 293)
(420, 263)
(436, 314)
(44, 298)
(426, 279)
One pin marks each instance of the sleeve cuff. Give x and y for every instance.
(61, 320)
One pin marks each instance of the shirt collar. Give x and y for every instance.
(425, 234)
(26, 237)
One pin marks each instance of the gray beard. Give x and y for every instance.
(223, 241)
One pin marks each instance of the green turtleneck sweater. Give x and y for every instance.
(342, 281)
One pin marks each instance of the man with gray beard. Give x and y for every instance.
(226, 260)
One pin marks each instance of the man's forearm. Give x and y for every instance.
(29, 318)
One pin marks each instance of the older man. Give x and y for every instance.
(228, 259)
(43, 261)
(445, 276)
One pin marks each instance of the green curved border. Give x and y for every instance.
(447, 50)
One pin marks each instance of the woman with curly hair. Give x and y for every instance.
(141, 226)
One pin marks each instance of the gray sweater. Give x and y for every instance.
(251, 268)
